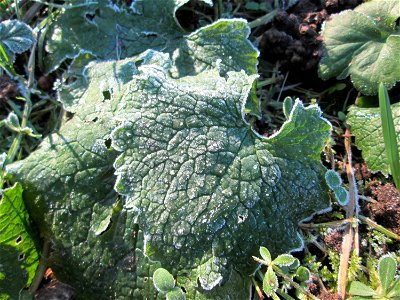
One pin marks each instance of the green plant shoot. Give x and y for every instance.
(389, 134)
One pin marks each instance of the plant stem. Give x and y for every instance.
(12, 152)
(219, 3)
(41, 268)
(217, 9)
(389, 134)
(349, 233)
(17, 12)
(293, 283)
(258, 290)
(378, 227)
(326, 224)
(263, 20)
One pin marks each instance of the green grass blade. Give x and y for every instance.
(389, 134)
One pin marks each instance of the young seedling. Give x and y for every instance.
(335, 184)
(288, 268)
(164, 282)
(389, 286)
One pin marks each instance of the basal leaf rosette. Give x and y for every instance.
(212, 189)
(364, 44)
(209, 189)
(366, 125)
(97, 241)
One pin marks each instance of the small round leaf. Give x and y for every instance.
(342, 196)
(303, 274)
(333, 179)
(163, 280)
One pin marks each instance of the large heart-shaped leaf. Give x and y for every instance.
(228, 191)
(197, 172)
(365, 45)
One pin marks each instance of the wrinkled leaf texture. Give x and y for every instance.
(366, 125)
(155, 170)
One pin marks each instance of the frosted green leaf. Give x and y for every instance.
(335, 184)
(16, 37)
(163, 280)
(284, 260)
(265, 254)
(270, 282)
(111, 32)
(341, 195)
(366, 126)
(210, 183)
(333, 179)
(18, 245)
(365, 45)
(198, 172)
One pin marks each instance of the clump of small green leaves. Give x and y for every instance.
(164, 282)
(389, 284)
(288, 268)
(364, 44)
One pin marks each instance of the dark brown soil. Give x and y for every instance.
(293, 39)
(361, 171)
(386, 210)
(325, 295)
(8, 88)
(334, 240)
(53, 289)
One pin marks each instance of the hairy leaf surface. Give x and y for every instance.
(197, 172)
(111, 32)
(15, 37)
(18, 254)
(196, 189)
(364, 44)
(366, 125)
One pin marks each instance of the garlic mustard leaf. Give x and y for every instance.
(195, 189)
(15, 37)
(111, 32)
(366, 125)
(364, 44)
(19, 256)
(203, 179)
